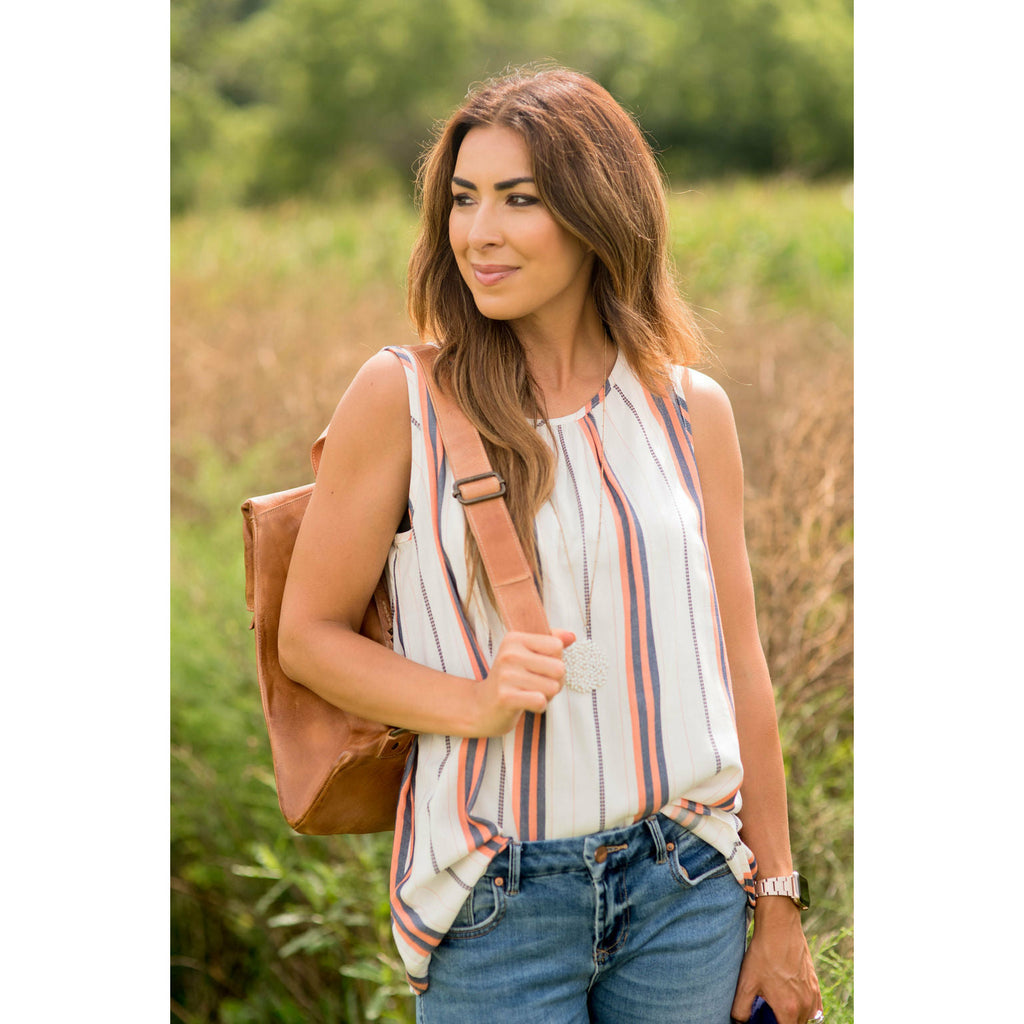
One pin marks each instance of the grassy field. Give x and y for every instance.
(272, 312)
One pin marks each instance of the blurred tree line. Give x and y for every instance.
(272, 98)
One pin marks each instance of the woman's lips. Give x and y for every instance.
(491, 273)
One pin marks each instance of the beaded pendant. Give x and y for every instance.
(586, 666)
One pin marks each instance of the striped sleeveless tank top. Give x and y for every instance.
(623, 534)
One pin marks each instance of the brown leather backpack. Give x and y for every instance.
(336, 772)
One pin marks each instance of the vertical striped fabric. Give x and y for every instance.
(658, 736)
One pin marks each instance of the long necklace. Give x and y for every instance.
(586, 665)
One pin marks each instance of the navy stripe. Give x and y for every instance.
(406, 357)
(401, 853)
(542, 782)
(525, 777)
(483, 828)
(442, 476)
(427, 945)
(528, 784)
(470, 790)
(684, 415)
(698, 505)
(680, 459)
(402, 863)
(635, 543)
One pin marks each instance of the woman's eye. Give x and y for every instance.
(515, 199)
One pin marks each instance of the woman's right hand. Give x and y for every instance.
(527, 673)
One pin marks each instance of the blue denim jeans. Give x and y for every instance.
(640, 924)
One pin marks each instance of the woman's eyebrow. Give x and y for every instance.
(499, 186)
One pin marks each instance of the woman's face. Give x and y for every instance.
(517, 260)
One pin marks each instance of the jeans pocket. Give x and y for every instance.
(693, 860)
(482, 911)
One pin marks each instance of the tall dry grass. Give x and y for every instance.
(795, 419)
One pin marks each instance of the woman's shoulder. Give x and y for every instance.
(699, 389)
(386, 366)
(707, 403)
(393, 368)
(384, 377)
(377, 399)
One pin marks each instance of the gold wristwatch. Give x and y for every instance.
(794, 886)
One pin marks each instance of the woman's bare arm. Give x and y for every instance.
(778, 964)
(356, 507)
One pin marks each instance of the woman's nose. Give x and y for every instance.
(485, 229)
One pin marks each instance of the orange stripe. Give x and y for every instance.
(410, 931)
(534, 780)
(463, 815)
(727, 802)
(629, 552)
(517, 774)
(626, 604)
(472, 772)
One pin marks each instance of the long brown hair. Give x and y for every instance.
(596, 174)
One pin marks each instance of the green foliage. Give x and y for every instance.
(214, 132)
(774, 246)
(361, 242)
(334, 97)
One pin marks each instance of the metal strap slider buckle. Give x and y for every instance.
(457, 488)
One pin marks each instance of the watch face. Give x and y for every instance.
(803, 891)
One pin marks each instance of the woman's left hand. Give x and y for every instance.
(778, 966)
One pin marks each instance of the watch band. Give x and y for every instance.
(794, 886)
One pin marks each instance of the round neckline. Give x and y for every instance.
(588, 406)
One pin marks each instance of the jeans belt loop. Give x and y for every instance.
(514, 851)
(654, 827)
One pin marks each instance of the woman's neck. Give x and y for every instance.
(568, 366)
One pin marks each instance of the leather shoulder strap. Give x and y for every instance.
(317, 450)
(481, 492)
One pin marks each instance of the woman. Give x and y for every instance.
(568, 842)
